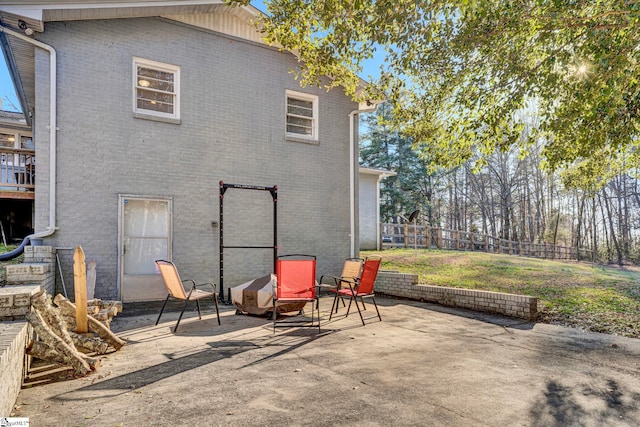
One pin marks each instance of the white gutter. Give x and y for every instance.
(52, 129)
(352, 177)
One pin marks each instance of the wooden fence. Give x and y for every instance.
(425, 237)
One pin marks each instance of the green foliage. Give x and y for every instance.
(8, 248)
(413, 187)
(460, 73)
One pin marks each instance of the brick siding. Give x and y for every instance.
(232, 129)
(407, 286)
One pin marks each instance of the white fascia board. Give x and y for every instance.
(380, 172)
(83, 4)
(34, 12)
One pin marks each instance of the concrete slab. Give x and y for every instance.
(422, 365)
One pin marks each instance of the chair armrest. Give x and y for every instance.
(337, 281)
(213, 285)
(193, 282)
(332, 278)
(348, 282)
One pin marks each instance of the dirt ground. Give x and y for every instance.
(422, 365)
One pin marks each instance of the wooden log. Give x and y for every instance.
(89, 343)
(70, 321)
(58, 324)
(45, 352)
(41, 302)
(80, 290)
(106, 314)
(104, 304)
(97, 327)
(116, 304)
(69, 354)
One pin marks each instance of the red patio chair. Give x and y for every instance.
(173, 284)
(296, 283)
(362, 288)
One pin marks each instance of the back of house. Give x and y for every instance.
(139, 110)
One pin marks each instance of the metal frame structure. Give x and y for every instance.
(274, 195)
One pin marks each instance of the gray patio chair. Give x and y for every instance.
(176, 290)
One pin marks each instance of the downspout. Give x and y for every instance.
(52, 143)
(352, 185)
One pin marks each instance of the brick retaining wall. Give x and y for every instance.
(23, 280)
(14, 337)
(407, 286)
(38, 268)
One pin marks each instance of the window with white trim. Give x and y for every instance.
(156, 88)
(302, 115)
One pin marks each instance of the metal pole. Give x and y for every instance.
(64, 288)
(274, 195)
(222, 190)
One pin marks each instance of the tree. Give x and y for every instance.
(459, 73)
(413, 187)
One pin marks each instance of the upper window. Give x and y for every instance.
(156, 88)
(302, 115)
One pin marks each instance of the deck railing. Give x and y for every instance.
(421, 236)
(17, 169)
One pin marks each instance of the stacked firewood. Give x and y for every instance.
(58, 340)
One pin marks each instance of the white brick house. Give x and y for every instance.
(139, 109)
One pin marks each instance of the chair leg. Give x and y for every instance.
(349, 307)
(215, 302)
(358, 307)
(376, 306)
(198, 306)
(163, 306)
(334, 305)
(274, 316)
(181, 313)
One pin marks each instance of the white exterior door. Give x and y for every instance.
(145, 236)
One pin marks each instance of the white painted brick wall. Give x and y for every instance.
(232, 129)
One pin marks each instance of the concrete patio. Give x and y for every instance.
(422, 365)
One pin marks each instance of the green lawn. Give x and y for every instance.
(593, 297)
(17, 260)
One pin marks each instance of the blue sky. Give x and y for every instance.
(7, 93)
(10, 100)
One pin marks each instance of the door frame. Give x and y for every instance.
(121, 198)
